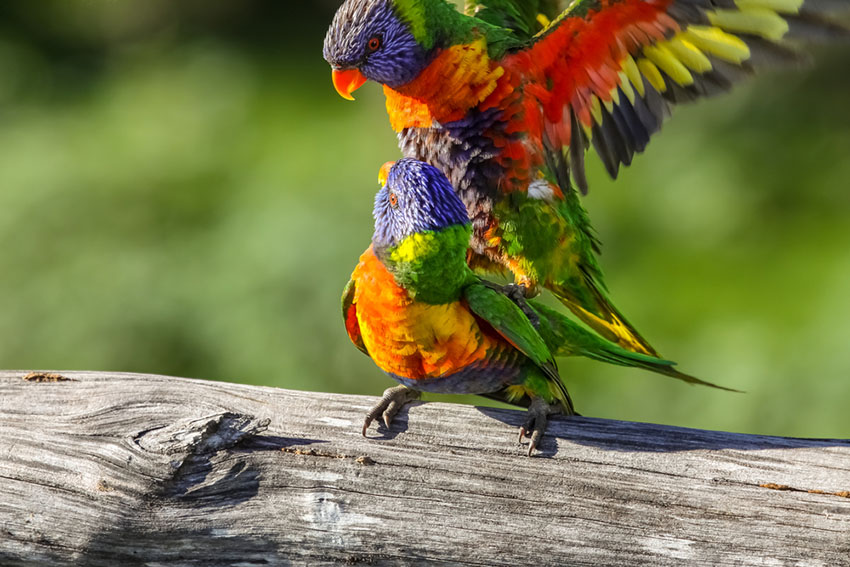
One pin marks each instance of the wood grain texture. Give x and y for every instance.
(122, 469)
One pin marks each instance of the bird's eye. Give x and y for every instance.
(374, 44)
(393, 200)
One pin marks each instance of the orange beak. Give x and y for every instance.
(384, 173)
(348, 81)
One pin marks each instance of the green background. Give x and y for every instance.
(183, 192)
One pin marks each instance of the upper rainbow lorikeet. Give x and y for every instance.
(506, 103)
(418, 310)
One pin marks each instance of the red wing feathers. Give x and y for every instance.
(607, 71)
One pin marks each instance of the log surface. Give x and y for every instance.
(127, 469)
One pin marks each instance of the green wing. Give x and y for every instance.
(510, 322)
(349, 316)
(566, 338)
(520, 16)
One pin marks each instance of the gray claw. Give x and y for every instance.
(535, 425)
(389, 405)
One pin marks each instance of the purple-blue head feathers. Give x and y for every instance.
(417, 198)
(371, 36)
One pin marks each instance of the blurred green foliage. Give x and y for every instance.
(182, 192)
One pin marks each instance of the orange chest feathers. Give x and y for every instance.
(412, 339)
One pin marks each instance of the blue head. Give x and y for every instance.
(416, 198)
(375, 39)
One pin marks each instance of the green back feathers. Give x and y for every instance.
(434, 21)
(438, 23)
(524, 17)
(431, 265)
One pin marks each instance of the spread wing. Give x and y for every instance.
(349, 315)
(606, 72)
(525, 17)
(509, 321)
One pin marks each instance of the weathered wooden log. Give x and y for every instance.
(127, 469)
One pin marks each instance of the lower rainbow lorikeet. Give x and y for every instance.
(507, 97)
(418, 310)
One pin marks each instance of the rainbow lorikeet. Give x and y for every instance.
(419, 311)
(506, 98)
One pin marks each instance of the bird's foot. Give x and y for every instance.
(391, 402)
(518, 293)
(536, 422)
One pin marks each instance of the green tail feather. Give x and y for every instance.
(566, 338)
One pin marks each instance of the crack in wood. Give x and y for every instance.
(786, 488)
(201, 440)
(362, 459)
(200, 436)
(47, 377)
